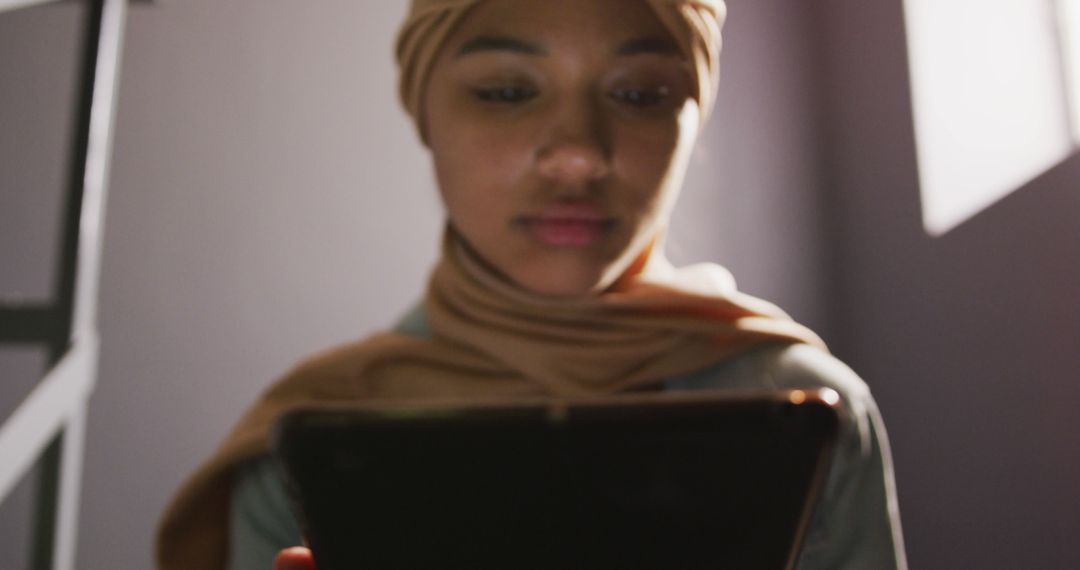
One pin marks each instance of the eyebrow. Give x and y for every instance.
(500, 43)
(645, 45)
(648, 45)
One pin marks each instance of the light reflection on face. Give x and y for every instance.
(560, 132)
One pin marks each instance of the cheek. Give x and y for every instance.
(474, 177)
(477, 165)
(659, 156)
(650, 162)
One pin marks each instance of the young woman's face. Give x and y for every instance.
(560, 131)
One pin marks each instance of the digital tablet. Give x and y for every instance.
(654, 480)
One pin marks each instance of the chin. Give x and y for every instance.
(557, 282)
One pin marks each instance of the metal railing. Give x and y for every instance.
(49, 424)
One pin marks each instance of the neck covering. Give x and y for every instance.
(695, 25)
(491, 341)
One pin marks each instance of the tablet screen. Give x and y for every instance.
(642, 481)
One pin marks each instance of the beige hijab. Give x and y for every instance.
(694, 24)
(492, 340)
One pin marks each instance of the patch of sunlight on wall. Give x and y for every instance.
(1070, 34)
(990, 105)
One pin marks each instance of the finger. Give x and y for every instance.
(298, 558)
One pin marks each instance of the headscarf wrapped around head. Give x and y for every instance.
(694, 24)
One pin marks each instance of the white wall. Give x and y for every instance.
(268, 199)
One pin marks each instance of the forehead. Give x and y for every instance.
(551, 25)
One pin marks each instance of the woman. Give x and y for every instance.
(560, 132)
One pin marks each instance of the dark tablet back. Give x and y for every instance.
(706, 480)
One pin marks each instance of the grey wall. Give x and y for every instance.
(752, 199)
(971, 341)
(268, 199)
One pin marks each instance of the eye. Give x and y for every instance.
(504, 95)
(642, 97)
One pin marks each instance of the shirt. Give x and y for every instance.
(856, 524)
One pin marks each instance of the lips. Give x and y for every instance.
(569, 224)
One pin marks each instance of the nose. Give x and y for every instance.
(575, 151)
